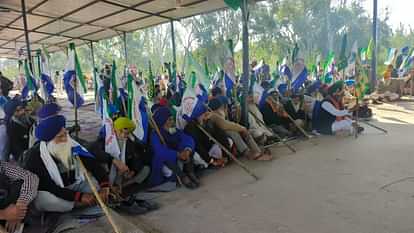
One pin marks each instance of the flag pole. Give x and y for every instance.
(296, 124)
(75, 99)
(238, 162)
(97, 197)
(374, 49)
(246, 66)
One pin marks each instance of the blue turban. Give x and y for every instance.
(198, 110)
(215, 104)
(161, 116)
(314, 87)
(11, 107)
(50, 127)
(48, 110)
(223, 99)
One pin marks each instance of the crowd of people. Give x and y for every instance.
(42, 161)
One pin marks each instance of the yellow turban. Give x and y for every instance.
(124, 123)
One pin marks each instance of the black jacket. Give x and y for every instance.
(18, 138)
(137, 155)
(202, 142)
(35, 164)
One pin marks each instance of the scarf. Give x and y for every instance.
(172, 140)
(52, 167)
(338, 105)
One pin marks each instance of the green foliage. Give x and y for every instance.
(317, 26)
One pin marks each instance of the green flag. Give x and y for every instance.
(295, 53)
(151, 82)
(39, 69)
(130, 83)
(30, 85)
(343, 60)
(327, 68)
(206, 67)
(114, 84)
(233, 4)
(370, 49)
(78, 70)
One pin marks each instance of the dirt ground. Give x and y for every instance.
(341, 185)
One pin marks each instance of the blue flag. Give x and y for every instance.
(300, 80)
(45, 76)
(69, 78)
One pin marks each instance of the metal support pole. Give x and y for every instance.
(26, 35)
(174, 52)
(95, 81)
(125, 49)
(374, 49)
(246, 66)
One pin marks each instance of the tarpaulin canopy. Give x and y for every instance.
(55, 23)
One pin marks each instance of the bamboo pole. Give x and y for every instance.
(98, 198)
(275, 134)
(238, 162)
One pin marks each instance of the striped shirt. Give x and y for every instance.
(28, 190)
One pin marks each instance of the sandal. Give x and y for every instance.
(263, 157)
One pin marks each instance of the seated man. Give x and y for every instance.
(62, 182)
(128, 162)
(209, 152)
(18, 188)
(238, 133)
(274, 114)
(259, 131)
(333, 117)
(171, 145)
(18, 126)
(295, 107)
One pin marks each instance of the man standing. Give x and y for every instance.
(62, 183)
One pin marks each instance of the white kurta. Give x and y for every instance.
(342, 125)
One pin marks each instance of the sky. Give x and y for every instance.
(401, 11)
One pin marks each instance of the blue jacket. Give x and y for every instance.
(164, 154)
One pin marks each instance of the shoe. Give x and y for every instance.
(149, 205)
(131, 209)
(360, 129)
(194, 178)
(187, 182)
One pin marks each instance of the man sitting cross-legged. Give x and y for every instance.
(62, 182)
(128, 161)
(239, 134)
(333, 117)
(171, 146)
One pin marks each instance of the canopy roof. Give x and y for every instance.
(55, 23)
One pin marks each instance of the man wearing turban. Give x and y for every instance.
(19, 124)
(240, 135)
(333, 117)
(128, 162)
(170, 147)
(62, 183)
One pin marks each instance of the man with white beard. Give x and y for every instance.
(62, 183)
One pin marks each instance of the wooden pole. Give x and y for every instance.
(238, 162)
(98, 198)
(296, 124)
(275, 134)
